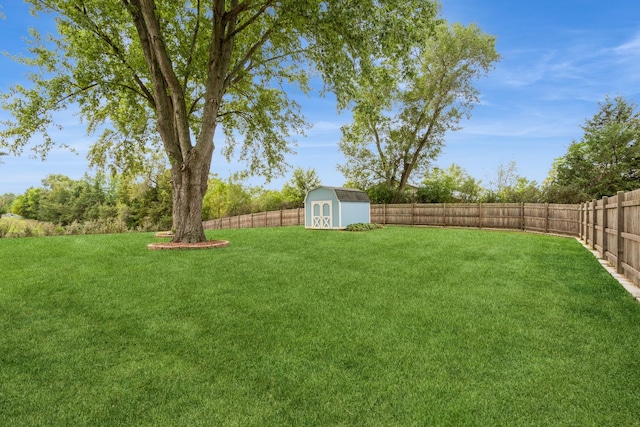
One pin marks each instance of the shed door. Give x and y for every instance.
(321, 214)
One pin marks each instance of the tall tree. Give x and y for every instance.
(5, 202)
(27, 204)
(506, 186)
(402, 114)
(59, 194)
(449, 185)
(228, 198)
(296, 189)
(168, 72)
(605, 160)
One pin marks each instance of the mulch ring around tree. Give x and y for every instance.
(164, 234)
(209, 244)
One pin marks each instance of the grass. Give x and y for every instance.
(399, 326)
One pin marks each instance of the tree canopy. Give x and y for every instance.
(402, 114)
(299, 185)
(607, 158)
(166, 73)
(449, 185)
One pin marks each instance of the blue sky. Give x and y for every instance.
(559, 59)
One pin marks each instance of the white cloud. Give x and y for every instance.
(326, 126)
(524, 68)
(630, 47)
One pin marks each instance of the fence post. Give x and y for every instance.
(619, 232)
(586, 222)
(593, 223)
(546, 218)
(280, 217)
(522, 215)
(604, 240)
(384, 214)
(580, 220)
(444, 214)
(581, 231)
(413, 208)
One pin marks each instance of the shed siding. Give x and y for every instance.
(353, 213)
(321, 194)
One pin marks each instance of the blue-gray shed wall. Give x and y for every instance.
(354, 212)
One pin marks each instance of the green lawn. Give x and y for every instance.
(286, 326)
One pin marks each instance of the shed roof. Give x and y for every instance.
(348, 194)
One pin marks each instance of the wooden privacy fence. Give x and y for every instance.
(545, 218)
(611, 226)
(281, 218)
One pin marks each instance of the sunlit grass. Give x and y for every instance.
(287, 326)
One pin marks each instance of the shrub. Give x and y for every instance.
(5, 224)
(29, 228)
(103, 226)
(362, 227)
(18, 228)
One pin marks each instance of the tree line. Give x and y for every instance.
(137, 204)
(144, 202)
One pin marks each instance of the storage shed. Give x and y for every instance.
(335, 207)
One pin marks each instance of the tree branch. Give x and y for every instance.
(194, 104)
(193, 44)
(246, 58)
(72, 94)
(118, 53)
(234, 13)
(164, 107)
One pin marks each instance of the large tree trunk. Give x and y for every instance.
(189, 184)
(187, 207)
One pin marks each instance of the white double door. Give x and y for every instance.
(321, 214)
